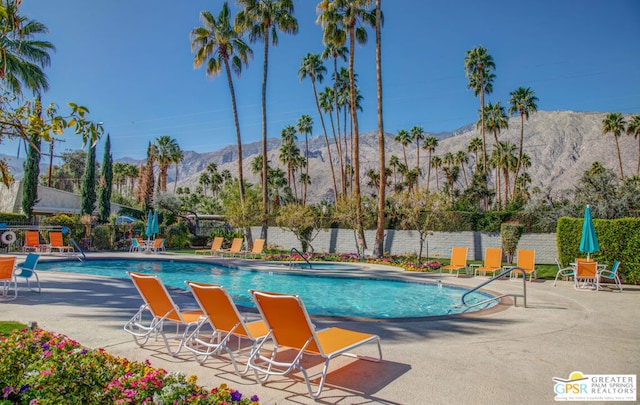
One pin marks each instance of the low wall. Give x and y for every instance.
(407, 242)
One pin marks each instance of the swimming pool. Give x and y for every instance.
(322, 295)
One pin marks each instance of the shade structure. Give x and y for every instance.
(589, 240)
(149, 230)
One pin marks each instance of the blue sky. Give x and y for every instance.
(131, 64)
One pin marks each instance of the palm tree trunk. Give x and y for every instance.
(238, 137)
(515, 177)
(428, 171)
(265, 190)
(326, 140)
(619, 158)
(379, 243)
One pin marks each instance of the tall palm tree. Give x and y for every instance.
(436, 163)
(305, 127)
(475, 145)
(403, 137)
(634, 129)
(495, 120)
(394, 162)
(417, 135)
(165, 155)
(614, 123)
(461, 160)
(262, 19)
(349, 16)
(382, 187)
(218, 46)
(430, 144)
(313, 68)
(289, 154)
(177, 156)
(335, 51)
(22, 56)
(478, 65)
(523, 102)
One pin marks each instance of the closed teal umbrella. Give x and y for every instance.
(149, 230)
(154, 223)
(589, 241)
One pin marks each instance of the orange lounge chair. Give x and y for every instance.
(32, 242)
(458, 260)
(290, 328)
(55, 242)
(158, 245)
(236, 247)
(527, 262)
(492, 262)
(223, 316)
(216, 246)
(159, 304)
(258, 247)
(8, 278)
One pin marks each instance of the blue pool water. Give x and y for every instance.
(322, 295)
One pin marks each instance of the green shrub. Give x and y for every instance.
(10, 217)
(101, 237)
(177, 236)
(511, 233)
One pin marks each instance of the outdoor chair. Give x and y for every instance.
(159, 305)
(612, 275)
(291, 329)
(526, 261)
(586, 276)
(56, 242)
(27, 270)
(32, 242)
(236, 248)
(158, 245)
(222, 315)
(258, 247)
(492, 262)
(136, 246)
(7, 278)
(564, 272)
(216, 246)
(458, 260)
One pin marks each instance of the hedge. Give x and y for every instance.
(619, 239)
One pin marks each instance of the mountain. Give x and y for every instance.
(561, 145)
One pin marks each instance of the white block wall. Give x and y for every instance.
(407, 242)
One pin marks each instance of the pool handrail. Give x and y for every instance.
(504, 273)
(79, 250)
(299, 254)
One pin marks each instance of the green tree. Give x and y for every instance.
(177, 156)
(22, 55)
(478, 65)
(218, 46)
(523, 101)
(105, 184)
(262, 19)
(436, 163)
(495, 120)
(88, 190)
(312, 67)
(475, 145)
(378, 250)
(166, 148)
(31, 173)
(634, 129)
(615, 123)
(430, 144)
(305, 127)
(146, 181)
(417, 135)
(403, 137)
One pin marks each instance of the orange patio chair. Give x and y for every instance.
(492, 262)
(55, 242)
(158, 303)
(226, 322)
(458, 260)
(32, 242)
(527, 262)
(291, 329)
(236, 247)
(216, 246)
(8, 278)
(258, 247)
(586, 276)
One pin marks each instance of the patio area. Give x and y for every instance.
(501, 356)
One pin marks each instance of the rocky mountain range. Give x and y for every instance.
(561, 145)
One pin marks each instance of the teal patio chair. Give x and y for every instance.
(564, 272)
(27, 270)
(612, 274)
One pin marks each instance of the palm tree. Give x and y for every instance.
(339, 16)
(312, 67)
(417, 134)
(436, 163)
(495, 120)
(379, 249)
(507, 162)
(404, 138)
(474, 147)
(22, 57)
(462, 159)
(614, 123)
(219, 46)
(634, 129)
(305, 127)
(262, 19)
(523, 101)
(165, 155)
(204, 180)
(394, 162)
(430, 144)
(177, 156)
(478, 65)
(289, 154)
(335, 51)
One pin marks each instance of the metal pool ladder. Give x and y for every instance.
(299, 254)
(505, 272)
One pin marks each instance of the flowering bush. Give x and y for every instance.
(39, 367)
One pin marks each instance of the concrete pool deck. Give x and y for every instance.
(499, 357)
